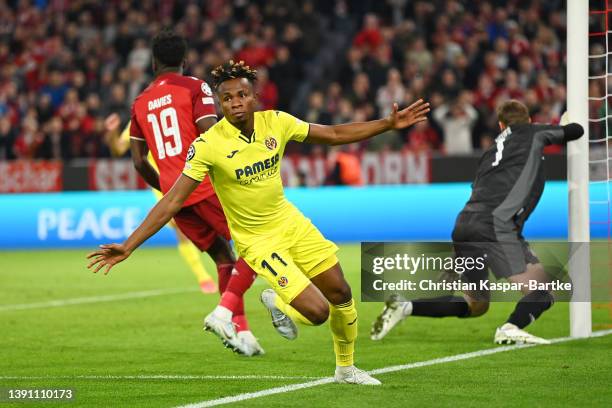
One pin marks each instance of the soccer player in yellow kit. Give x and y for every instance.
(119, 144)
(242, 154)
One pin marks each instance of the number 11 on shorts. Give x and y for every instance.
(275, 257)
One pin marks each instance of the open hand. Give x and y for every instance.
(408, 116)
(108, 255)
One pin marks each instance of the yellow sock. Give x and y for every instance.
(191, 254)
(291, 312)
(343, 324)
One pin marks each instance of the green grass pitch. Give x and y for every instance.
(76, 346)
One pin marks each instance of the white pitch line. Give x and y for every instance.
(384, 370)
(257, 394)
(95, 299)
(159, 377)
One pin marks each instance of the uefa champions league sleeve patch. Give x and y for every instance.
(190, 153)
(206, 89)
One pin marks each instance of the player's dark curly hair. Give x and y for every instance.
(232, 70)
(169, 48)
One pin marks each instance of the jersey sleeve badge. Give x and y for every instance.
(270, 143)
(206, 89)
(190, 153)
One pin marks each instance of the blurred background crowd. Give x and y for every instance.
(66, 65)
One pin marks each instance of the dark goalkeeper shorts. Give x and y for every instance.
(502, 246)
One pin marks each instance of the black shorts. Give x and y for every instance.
(502, 246)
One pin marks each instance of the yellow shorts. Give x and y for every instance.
(290, 259)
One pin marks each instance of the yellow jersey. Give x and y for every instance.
(245, 172)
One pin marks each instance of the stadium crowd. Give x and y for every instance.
(66, 65)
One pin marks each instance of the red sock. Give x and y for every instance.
(231, 301)
(234, 281)
(240, 281)
(224, 272)
(241, 323)
(228, 299)
(239, 317)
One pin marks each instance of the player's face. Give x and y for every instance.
(237, 100)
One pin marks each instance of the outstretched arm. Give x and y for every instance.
(358, 131)
(111, 254)
(553, 134)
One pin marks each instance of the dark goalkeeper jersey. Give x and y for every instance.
(510, 177)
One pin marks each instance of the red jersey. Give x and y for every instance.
(164, 115)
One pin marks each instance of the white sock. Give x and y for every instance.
(246, 334)
(343, 369)
(407, 309)
(223, 313)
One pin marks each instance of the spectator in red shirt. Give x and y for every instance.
(345, 166)
(256, 53)
(370, 36)
(68, 110)
(27, 143)
(423, 137)
(267, 90)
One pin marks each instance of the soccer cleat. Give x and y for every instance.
(509, 333)
(208, 286)
(281, 322)
(250, 344)
(225, 330)
(353, 375)
(392, 314)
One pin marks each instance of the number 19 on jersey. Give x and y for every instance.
(169, 130)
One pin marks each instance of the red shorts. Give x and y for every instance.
(202, 222)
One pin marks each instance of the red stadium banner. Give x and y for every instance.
(25, 176)
(392, 167)
(108, 174)
(402, 167)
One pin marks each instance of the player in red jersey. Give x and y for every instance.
(166, 118)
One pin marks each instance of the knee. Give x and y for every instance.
(478, 308)
(317, 313)
(340, 294)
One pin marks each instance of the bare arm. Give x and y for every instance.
(139, 158)
(111, 254)
(162, 212)
(358, 131)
